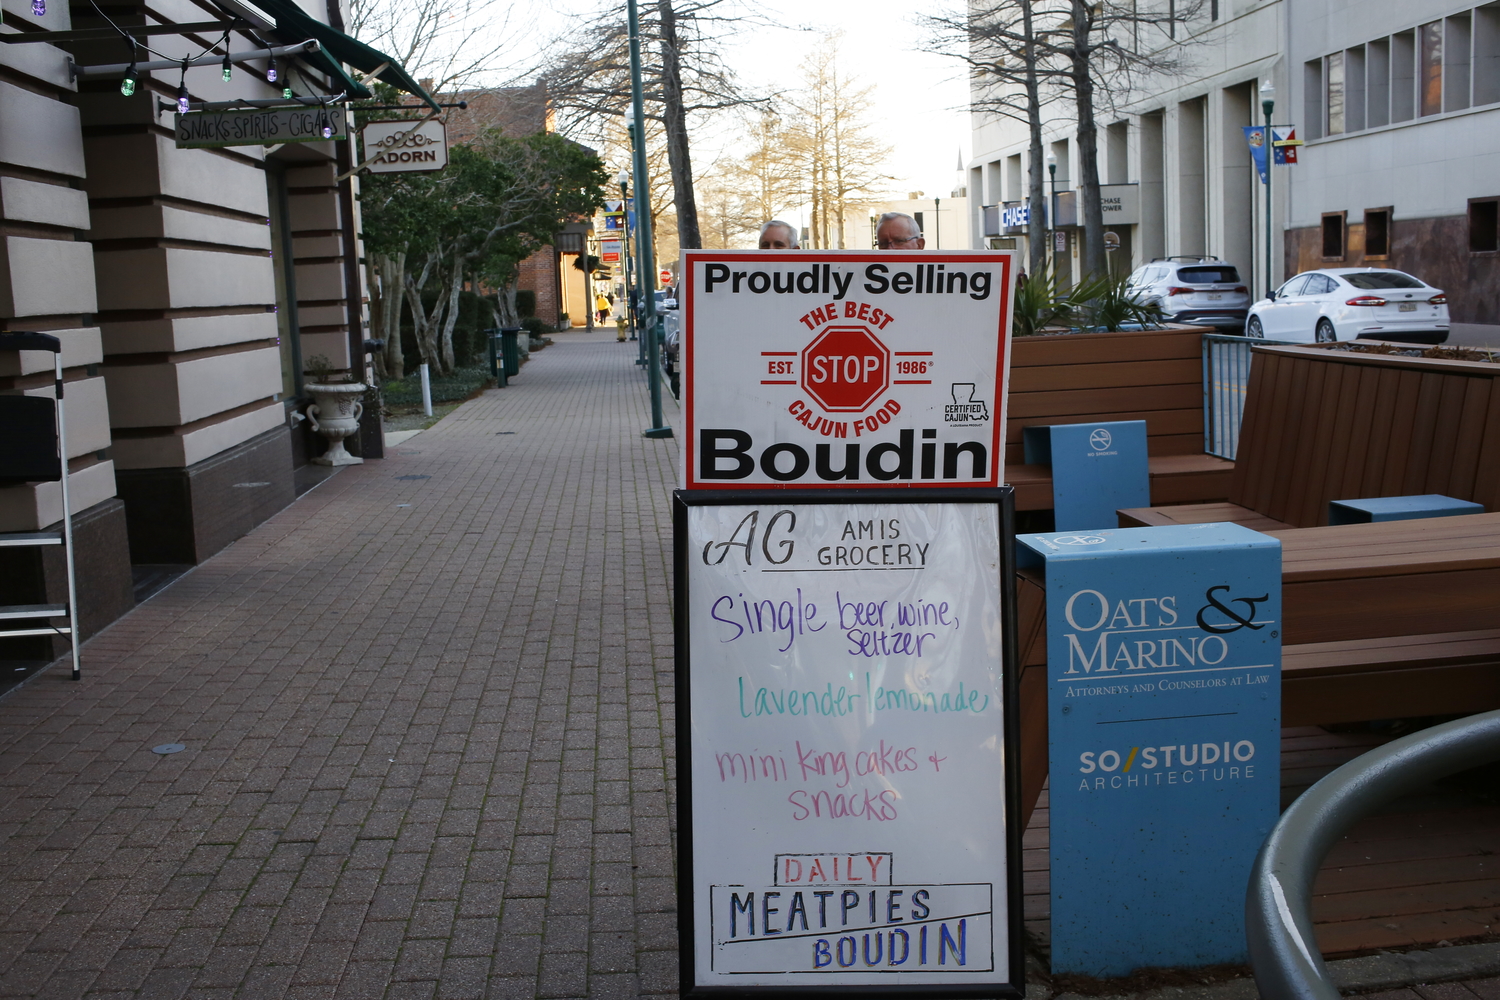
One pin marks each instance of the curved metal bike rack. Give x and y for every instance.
(1278, 919)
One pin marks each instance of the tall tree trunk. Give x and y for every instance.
(450, 314)
(675, 120)
(505, 304)
(1036, 188)
(378, 298)
(1088, 141)
(390, 270)
(425, 324)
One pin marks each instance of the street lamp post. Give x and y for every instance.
(1267, 105)
(658, 428)
(1052, 216)
(624, 181)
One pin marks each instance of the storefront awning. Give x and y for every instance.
(337, 47)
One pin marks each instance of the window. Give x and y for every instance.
(1314, 100)
(1484, 225)
(1377, 233)
(1372, 280)
(1403, 82)
(1431, 69)
(1203, 275)
(1335, 77)
(1487, 54)
(1333, 235)
(1293, 287)
(1319, 284)
(1458, 30)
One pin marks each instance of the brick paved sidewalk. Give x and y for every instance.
(427, 713)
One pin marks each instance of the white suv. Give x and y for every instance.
(1193, 289)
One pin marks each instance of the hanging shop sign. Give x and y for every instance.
(609, 251)
(845, 368)
(405, 146)
(846, 732)
(261, 126)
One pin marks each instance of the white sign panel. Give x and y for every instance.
(1121, 204)
(405, 146)
(843, 688)
(845, 368)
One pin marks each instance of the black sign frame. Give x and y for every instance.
(1013, 986)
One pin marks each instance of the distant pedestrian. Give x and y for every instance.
(899, 231)
(778, 235)
(601, 307)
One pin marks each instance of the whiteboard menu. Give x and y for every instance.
(843, 745)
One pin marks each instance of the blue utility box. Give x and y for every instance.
(1096, 470)
(1398, 508)
(1164, 722)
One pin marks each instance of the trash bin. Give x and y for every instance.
(510, 350)
(492, 351)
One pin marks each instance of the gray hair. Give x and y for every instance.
(791, 231)
(887, 217)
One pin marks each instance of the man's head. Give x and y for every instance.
(898, 231)
(778, 235)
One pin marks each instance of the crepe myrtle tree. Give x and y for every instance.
(500, 200)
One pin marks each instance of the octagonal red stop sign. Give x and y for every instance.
(845, 368)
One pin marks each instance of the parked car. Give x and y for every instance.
(1345, 303)
(666, 305)
(1193, 289)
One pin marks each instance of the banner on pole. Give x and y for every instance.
(1284, 143)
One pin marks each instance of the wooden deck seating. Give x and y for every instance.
(1388, 620)
(1154, 375)
(1325, 425)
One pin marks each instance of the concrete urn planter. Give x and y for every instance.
(334, 413)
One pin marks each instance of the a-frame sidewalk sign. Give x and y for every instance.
(845, 627)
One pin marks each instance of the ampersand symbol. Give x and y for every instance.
(1213, 602)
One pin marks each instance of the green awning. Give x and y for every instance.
(293, 24)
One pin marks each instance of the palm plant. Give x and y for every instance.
(1104, 304)
(1039, 305)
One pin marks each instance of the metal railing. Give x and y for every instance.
(1226, 373)
(1278, 918)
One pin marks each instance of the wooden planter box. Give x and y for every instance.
(1150, 375)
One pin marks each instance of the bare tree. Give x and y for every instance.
(1100, 42)
(1008, 67)
(588, 78)
(450, 42)
(1023, 55)
(840, 155)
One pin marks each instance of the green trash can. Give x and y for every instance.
(510, 350)
(492, 352)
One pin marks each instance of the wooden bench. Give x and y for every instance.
(1388, 620)
(1325, 425)
(1150, 375)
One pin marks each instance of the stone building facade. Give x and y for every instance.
(188, 287)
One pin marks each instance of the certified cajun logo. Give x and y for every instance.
(965, 409)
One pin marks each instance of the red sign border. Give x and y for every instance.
(1005, 258)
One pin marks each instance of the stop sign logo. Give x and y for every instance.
(845, 368)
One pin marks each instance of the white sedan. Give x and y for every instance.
(1344, 303)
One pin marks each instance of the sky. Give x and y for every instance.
(919, 98)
